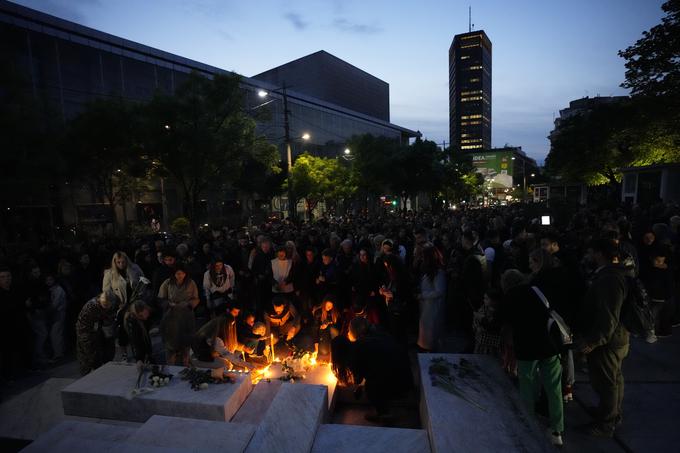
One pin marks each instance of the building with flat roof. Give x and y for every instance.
(326, 77)
(470, 92)
(68, 65)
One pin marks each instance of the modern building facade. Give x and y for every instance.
(580, 107)
(470, 92)
(68, 65)
(328, 78)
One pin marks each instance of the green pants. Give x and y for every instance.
(548, 373)
(604, 367)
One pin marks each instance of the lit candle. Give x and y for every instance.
(272, 346)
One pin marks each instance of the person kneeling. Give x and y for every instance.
(377, 360)
(217, 342)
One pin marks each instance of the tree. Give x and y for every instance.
(203, 138)
(101, 148)
(416, 168)
(373, 162)
(594, 146)
(653, 62)
(316, 179)
(460, 180)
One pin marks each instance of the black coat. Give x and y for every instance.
(384, 364)
(525, 313)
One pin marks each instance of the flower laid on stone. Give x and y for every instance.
(158, 378)
(441, 376)
(200, 379)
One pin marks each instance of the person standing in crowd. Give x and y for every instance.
(120, 279)
(305, 282)
(38, 304)
(537, 357)
(658, 281)
(363, 279)
(327, 280)
(93, 347)
(56, 317)
(218, 284)
(165, 270)
(467, 270)
(282, 275)
(605, 340)
(487, 326)
(396, 291)
(180, 295)
(431, 298)
(14, 341)
(260, 267)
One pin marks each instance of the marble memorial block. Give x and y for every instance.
(194, 435)
(291, 420)
(352, 439)
(487, 415)
(107, 393)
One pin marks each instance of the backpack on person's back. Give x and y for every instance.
(636, 313)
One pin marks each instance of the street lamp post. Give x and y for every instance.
(287, 141)
(524, 179)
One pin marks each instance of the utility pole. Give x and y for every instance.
(289, 154)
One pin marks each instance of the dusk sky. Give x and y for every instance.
(545, 53)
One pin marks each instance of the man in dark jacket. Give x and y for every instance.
(605, 340)
(524, 312)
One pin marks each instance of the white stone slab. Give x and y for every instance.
(84, 431)
(456, 425)
(106, 393)
(318, 375)
(258, 402)
(34, 411)
(194, 435)
(356, 439)
(292, 419)
(79, 445)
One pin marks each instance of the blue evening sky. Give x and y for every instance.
(545, 52)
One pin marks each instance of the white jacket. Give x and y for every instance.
(118, 285)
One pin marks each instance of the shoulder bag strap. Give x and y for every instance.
(541, 296)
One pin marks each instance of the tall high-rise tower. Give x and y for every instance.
(470, 92)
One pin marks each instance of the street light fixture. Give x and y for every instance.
(286, 127)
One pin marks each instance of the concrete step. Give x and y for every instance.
(258, 402)
(355, 439)
(193, 435)
(70, 435)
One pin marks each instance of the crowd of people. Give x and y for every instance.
(358, 291)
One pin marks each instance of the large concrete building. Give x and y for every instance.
(68, 65)
(328, 78)
(470, 92)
